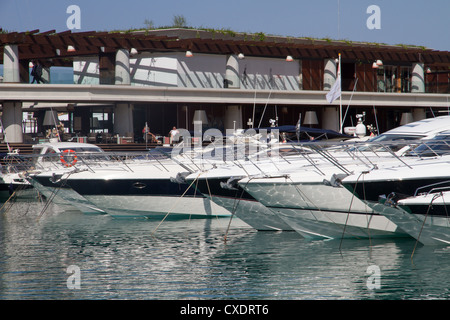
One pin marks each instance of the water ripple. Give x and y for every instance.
(189, 259)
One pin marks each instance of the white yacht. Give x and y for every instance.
(220, 184)
(423, 129)
(143, 187)
(424, 217)
(428, 166)
(47, 156)
(415, 198)
(314, 202)
(153, 186)
(316, 206)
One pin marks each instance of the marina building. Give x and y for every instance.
(123, 81)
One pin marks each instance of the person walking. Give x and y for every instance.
(36, 72)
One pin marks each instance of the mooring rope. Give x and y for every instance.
(54, 194)
(423, 223)
(235, 205)
(349, 209)
(13, 196)
(173, 206)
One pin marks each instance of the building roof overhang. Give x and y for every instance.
(54, 46)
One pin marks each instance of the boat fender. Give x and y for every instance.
(231, 183)
(68, 153)
(389, 201)
(55, 178)
(393, 198)
(335, 180)
(180, 178)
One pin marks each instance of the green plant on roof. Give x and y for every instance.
(179, 21)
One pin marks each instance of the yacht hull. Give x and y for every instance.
(225, 192)
(253, 213)
(321, 211)
(420, 220)
(158, 206)
(134, 195)
(327, 225)
(66, 196)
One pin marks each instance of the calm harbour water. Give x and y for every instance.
(189, 259)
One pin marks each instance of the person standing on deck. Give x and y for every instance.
(174, 135)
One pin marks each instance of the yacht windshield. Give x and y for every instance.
(394, 142)
(438, 146)
(82, 149)
(384, 137)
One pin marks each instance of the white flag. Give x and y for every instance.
(335, 91)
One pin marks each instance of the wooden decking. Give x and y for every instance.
(23, 148)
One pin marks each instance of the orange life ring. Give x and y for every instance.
(64, 154)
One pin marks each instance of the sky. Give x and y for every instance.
(410, 22)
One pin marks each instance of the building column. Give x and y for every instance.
(12, 121)
(300, 74)
(106, 68)
(330, 118)
(233, 117)
(11, 68)
(417, 78)
(123, 119)
(329, 74)
(46, 73)
(232, 72)
(123, 67)
(419, 114)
